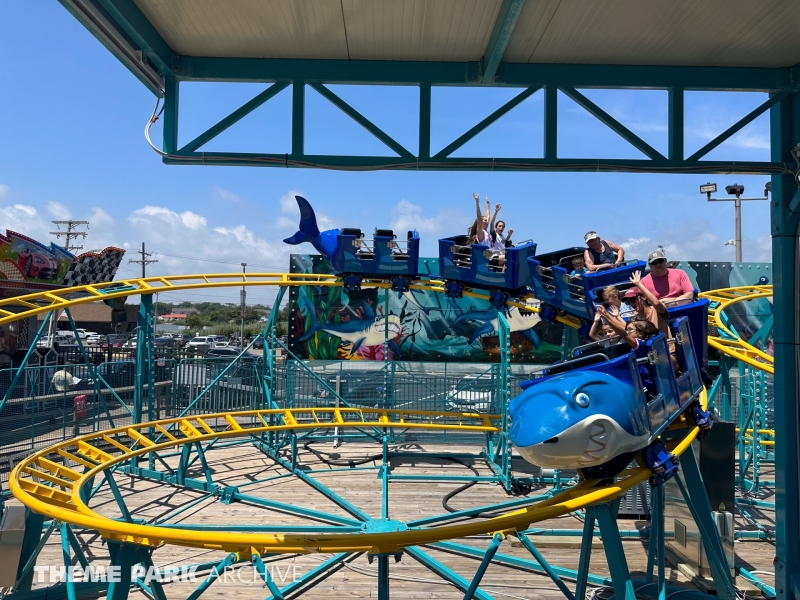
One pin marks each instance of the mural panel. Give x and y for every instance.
(331, 324)
(26, 264)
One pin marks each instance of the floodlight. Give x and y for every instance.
(735, 189)
(709, 188)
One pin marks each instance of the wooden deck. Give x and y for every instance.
(243, 466)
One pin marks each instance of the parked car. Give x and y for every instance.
(183, 339)
(259, 341)
(83, 333)
(94, 339)
(118, 373)
(230, 352)
(165, 342)
(116, 341)
(62, 340)
(202, 341)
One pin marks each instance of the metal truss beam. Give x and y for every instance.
(630, 137)
(141, 31)
(103, 26)
(501, 34)
(378, 72)
(655, 162)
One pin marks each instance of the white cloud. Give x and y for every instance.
(225, 195)
(407, 216)
(284, 223)
(58, 211)
(99, 218)
(706, 121)
(26, 220)
(289, 204)
(692, 240)
(5, 191)
(185, 243)
(289, 207)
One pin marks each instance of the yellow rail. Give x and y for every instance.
(41, 302)
(729, 342)
(53, 488)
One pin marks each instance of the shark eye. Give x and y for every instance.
(582, 400)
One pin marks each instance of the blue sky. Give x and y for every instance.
(71, 146)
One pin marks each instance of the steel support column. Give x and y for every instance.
(144, 358)
(785, 133)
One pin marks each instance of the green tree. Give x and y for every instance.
(194, 322)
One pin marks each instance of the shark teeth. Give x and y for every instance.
(597, 444)
(381, 327)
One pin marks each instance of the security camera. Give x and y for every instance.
(767, 189)
(735, 189)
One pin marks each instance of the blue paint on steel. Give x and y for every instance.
(70, 583)
(529, 545)
(606, 515)
(494, 545)
(444, 572)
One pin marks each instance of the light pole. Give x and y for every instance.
(737, 191)
(243, 307)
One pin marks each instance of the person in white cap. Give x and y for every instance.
(601, 254)
(670, 285)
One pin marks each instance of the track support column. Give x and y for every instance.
(785, 220)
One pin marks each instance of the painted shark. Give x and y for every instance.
(369, 331)
(578, 419)
(325, 242)
(517, 321)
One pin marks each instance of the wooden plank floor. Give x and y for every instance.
(245, 467)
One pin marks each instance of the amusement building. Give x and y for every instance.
(498, 419)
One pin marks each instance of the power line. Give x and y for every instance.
(213, 260)
(71, 233)
(144, 262)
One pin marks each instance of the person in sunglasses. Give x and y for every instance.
(649, 307)
(670, 285)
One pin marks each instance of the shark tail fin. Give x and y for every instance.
(309, 306)
(308, 230)
(533, 337)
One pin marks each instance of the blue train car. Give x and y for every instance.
(383, 256)
(607, 403)
(697, 314)
(553, 285)
(463, 266)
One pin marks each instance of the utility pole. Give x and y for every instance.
(144, 262)
(71, 233)
(244, 306)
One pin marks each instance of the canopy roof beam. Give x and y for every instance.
(501, 34)
(381, 72)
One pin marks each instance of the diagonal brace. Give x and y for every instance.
(360, 119)
(235, 116)
(744, 121)
(626, 134)
(513, 103)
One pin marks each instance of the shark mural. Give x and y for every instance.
(332, 324)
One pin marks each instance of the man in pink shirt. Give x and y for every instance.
(671, 285)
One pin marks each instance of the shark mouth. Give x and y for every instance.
(588, 443)
(394, 328)
(596, 446)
